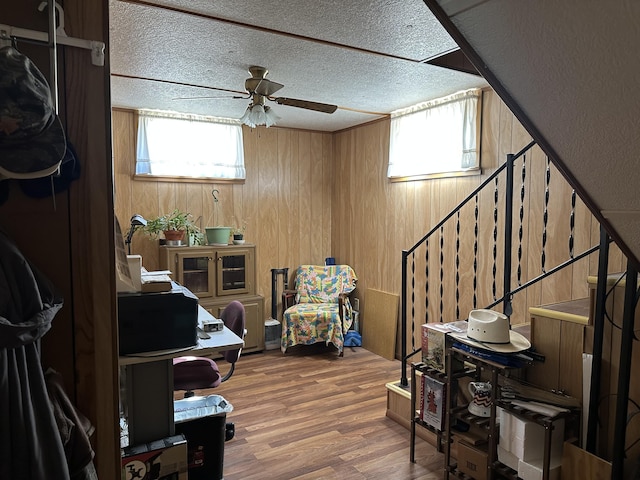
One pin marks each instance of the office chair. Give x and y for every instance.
(197, 373)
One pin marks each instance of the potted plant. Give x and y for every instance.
(238, 234)
(173, 226)
(218, 235)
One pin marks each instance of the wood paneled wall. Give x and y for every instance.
(311, 195)
(374, 220)
(286, 199)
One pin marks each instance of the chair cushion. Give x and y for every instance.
(195, 373)
(312, 322)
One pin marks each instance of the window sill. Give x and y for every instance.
(431, 176)
(176, 179)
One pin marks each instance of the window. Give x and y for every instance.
(436, 137)
(176, 145)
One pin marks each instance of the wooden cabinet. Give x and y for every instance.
(235, 272)
(191, 267)
(217, 275)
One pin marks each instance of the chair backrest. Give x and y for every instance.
(191, 373)
(324, 283)
(234, 318)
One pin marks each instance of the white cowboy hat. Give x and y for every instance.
(489, 330)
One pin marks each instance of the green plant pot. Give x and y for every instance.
(218, 235)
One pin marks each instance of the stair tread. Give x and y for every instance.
(398, 389)
(612, 279)
(572, 311)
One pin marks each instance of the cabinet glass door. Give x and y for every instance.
(233, 272)
(195, 273)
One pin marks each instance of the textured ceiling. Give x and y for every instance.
(368, 57)
(572, 69)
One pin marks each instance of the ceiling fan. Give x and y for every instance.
(260, 89)
(259, 86)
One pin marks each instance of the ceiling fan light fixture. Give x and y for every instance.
(270, 117)
(258, 114)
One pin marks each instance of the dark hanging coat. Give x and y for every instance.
(30, 444)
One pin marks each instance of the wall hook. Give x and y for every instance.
(60, 11)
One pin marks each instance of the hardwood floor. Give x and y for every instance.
(313, 415)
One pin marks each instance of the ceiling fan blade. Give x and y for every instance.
(267, 88)
(214, 97)
(318, 107)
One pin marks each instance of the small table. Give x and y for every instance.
(148, 385)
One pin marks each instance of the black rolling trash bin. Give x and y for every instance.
(202, 420)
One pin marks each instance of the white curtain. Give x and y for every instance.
(436, 136)
(189, 146)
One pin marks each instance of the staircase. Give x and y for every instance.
(511, 245)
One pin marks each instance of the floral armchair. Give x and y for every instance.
(318, 310)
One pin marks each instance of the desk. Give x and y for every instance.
(148, 395)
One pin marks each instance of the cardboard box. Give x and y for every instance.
(164, 459)
(433, 395)
(472, 461)
(434, 343)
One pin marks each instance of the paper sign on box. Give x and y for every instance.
(432, 398)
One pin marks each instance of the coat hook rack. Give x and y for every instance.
(60, 11)
(7, 32)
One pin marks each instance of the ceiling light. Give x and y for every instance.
(258, 113)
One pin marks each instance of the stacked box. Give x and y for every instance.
(162, 459)
(504, 435)
(508, 458)
(434, 343)
(527, 439)
(432, 401)
(533, 470)
(522, 441)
